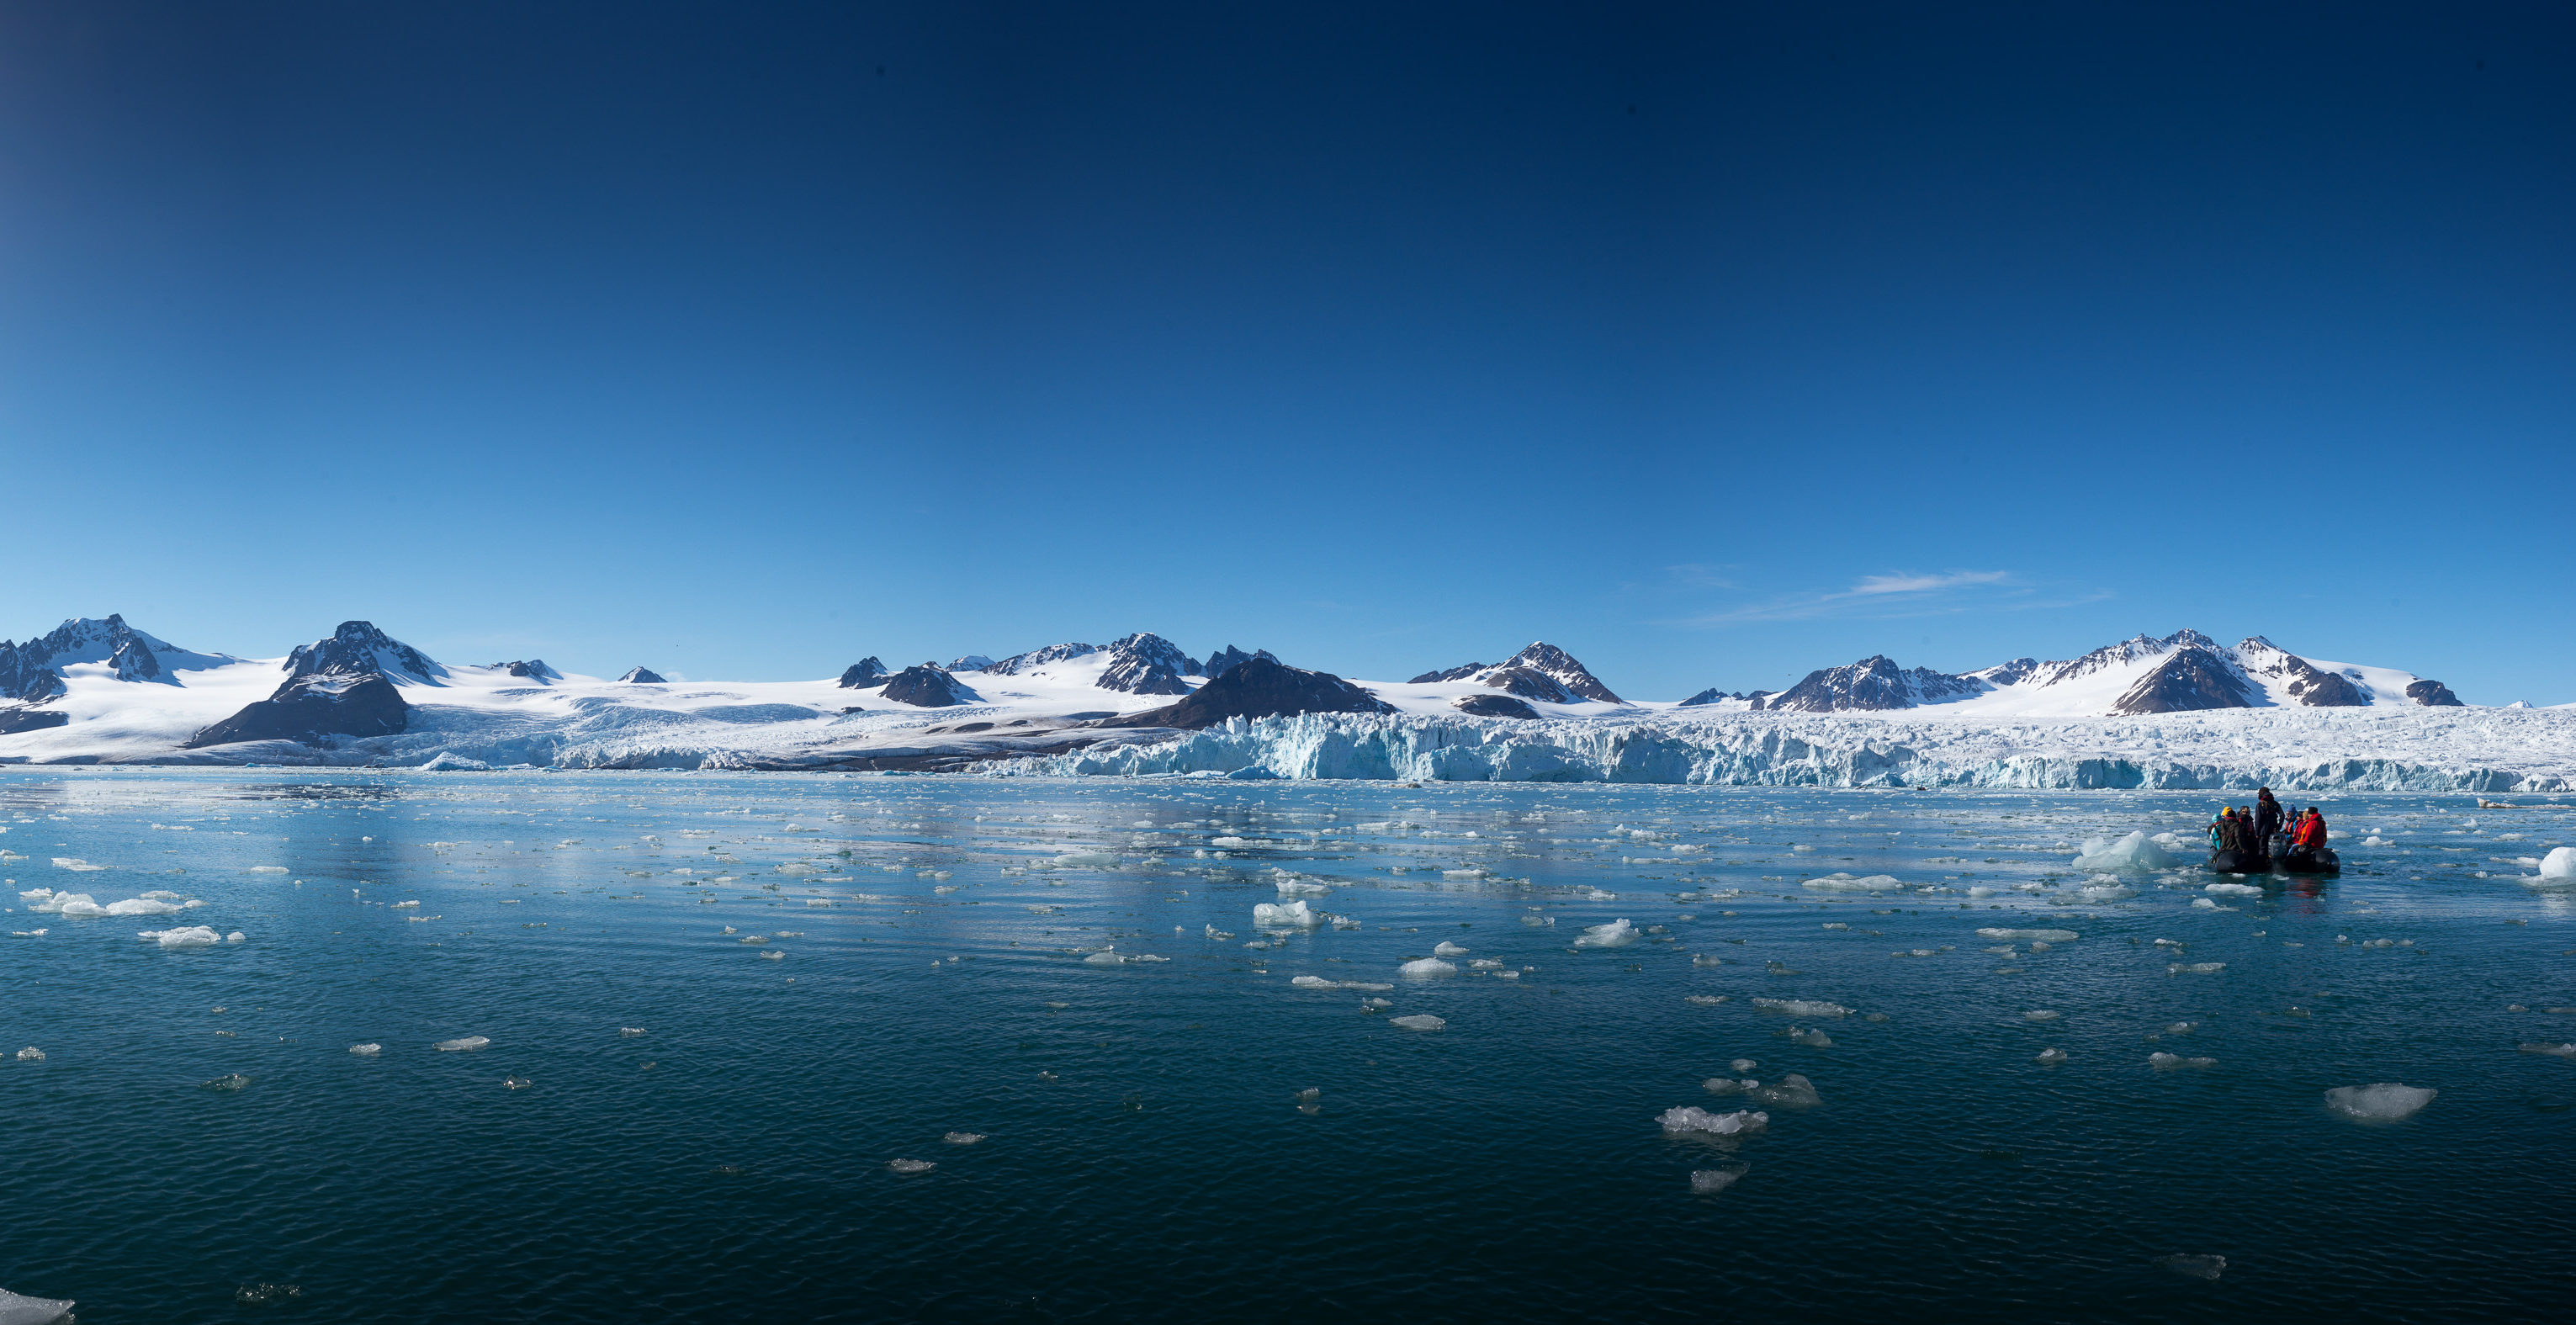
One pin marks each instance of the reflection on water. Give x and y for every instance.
(705, 1047)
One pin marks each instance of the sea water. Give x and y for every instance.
(644, 1046)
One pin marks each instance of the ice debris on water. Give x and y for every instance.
(1448, 949)
(2029, 935)
(1422, 967)
(31, 1054)
(1298, 914)
(1704, 1000)
(1617, 934)
(2379, 1102)
(1811, 1039)
(1845, 883)
(2136, 852)
(516, 1083)
(962, 1138)
(2049, 1057)
(1802, 1007)
(1728, 1085)
(2168, 1061)
(2234, 889)
(462, 1044)
(2553, 1050)
(17, 1309)
(911, 1165)
(1790, 1092)
(1709, 1182)
(2040, 1015)
(2195, 968)
(235, 1081)
(2197, 1267)
(1743, 1065)
(1691, 1118)
(1420, 1021)
(194, 936)
(366, 1050)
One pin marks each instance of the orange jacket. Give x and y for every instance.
(2312, 832)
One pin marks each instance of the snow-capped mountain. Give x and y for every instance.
(2182, 710)
(2182, 672)
(1542, 672)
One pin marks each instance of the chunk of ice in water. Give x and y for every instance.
(1448, 949)
(1691, 1118)
(2029, 935)
(31, 1054)
(1423, 967)
(2136, 852)
(193, 936)
(1727, 1085)
(2233, 889)
(2379, 1102)
(2560, 863)
(1743, 1065)
(1298, 914)
(516, 1083)
(1845, 883)
(1420, 1021)
(462, 1044)
(2168, 1061)
(17, 1309)
(1789, 1092)
(910, 1165)
(366, 1050)
(2195, 968)
(1802, 1007)
(962, 1138)
(2553, 1050)
(2040, 1015)
(1617, 934)
(1376, 1003)
(235, 1081)
(2051, 1057)
(1811, 1039)
(1704, 1000)
(1709, 1182)
(2197, 1267)
(1313, 982)
(630, 1031)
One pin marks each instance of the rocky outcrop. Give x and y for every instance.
(1146, 664)
(1258, 688)
(2191, 680)
(1542, 672)
(1528, 683)
(357, 648)
(2432, 694)
(1468, 672)
(1713, 695)
(313, 707)
(1037, 659)
(864, 673)
(1494, 706)
(15, 718)
(1555, 663)
(643, 676)
(929, 686)
(1228, 658)
(1874, 683)
(24, 675)
(973, 662)
(34, 670)
(531, 669)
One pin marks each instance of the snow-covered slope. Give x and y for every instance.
(361, 696)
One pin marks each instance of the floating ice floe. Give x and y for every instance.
(1845, 883)
(1691, 1118)
(2379, 1102)
(1448, 949)
(1087, 859)
(2049, 1057)
(193, 936)
(1742, 1065)
(2553, 1050)
(2105, 892)
(463, 1044)
(1789, 1092)
(76, 865)
(18, 1309)
(1802, 1007)
(2197, 1267)
(2234, 889)
(2195, 968)
(1811, 1039)
(910, 1165)
(1288, 915)
(2029, 935)
(236, 1081)
(962, 1138)
(2557, 872)
(366, 1050)
(31, 1054)
(1420, 1021)
(2169, 1061)
(1617, 934)
(1709, 1182)
(1422, 967)
(2136, 853)
(2040, 1015)
(1728, 1085)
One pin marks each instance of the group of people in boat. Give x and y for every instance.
(2267, 834)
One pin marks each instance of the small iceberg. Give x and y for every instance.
(1709, 1182)
(1617, 934)
(1425, 967)
(194, 936)
(2196, 1267)
(2379, 1102)
(2029, 935)
(464, 1044)
(2136, 853)
(1802, 1007)
(17, 1309)
(1844, 883)
(1420, 1021)
(910, 1165)
(1691, 1118)
(366, 1050)
(1298, 914)
(1447, 949)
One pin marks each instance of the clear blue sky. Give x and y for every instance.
(1714, 343)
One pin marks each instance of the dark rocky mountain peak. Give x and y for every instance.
(1462, 673)
(130, 655)
(1528, 683)
(529, 669)
(643, 676)
(1493, 706)
(357, 648)
(2432, 694)
(1875, 683)
(2311, 685)
(24, 675)
(1258, 688)
(1549, 660)
(2190, 680)
(926, 685)
(1230, 657)
(1019, 664)
(1147, 664)
(2006, 674)
(313, 707)
(1714, 695)
(973, 662)
(864, 673)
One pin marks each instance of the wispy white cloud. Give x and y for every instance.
(1899, 594)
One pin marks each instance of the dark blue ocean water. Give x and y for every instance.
(1145, 1154)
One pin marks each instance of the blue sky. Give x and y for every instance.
(1712, 343)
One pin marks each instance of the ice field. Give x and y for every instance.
(591, 1046)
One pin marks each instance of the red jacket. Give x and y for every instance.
(2312, 832)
